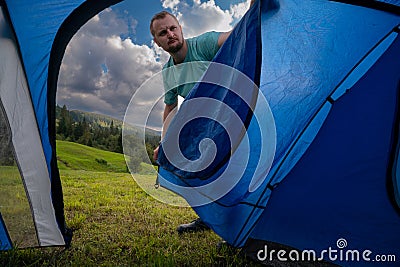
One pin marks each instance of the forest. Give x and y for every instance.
(87, 130)
(92, 130)
(105, 133)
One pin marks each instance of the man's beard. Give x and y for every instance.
(175, 48)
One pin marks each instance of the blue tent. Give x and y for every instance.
(329, 71)
(33, 38)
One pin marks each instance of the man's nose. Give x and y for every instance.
(170, 34)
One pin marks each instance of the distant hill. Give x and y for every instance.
(104, 132)
(100, 119)
(74, 156)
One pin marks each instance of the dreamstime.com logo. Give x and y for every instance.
(335, 254)
(146, 108)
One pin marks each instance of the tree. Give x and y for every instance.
(86, 135)
(65, 127)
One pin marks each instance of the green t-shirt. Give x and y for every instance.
(180, 79)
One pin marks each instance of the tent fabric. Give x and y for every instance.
(385, 5)
(5, 241)
(43, 30)
(230, 94)
(337, 56)
(347, 196)
(26, 142)
(36, 34)
(311, 57)
(225, 210)
(394, 180)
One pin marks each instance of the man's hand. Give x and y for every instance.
(155, 153)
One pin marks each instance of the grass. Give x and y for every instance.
(15, 208)
(73, 156)
(116, 223)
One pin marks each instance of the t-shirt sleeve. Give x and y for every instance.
(171, 92)
(208, 44)
(171, 97)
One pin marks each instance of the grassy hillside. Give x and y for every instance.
(73, 156)
(116, 223)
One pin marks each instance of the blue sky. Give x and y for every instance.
(113, 54)
(142, 11)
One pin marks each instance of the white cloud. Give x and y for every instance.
(101, 71)
(170, 3)
(199, 17)
(240, 9)
(202, 17)
(102, 68)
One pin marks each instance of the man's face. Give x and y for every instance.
(168, 34)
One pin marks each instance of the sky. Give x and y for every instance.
(113, 54)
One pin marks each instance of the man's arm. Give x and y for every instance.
(224, 35)
(169, 113)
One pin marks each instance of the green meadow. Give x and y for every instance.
(115, 222)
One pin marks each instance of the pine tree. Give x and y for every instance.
(65, 123)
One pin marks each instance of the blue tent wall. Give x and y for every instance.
(339, 187)
(5, 242)
(308, 49)
(385, 5)
(243, 45)
(297, 80)
(337, 64)
(244, 39)
(43, 30)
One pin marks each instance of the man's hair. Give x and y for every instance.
(160, 15)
